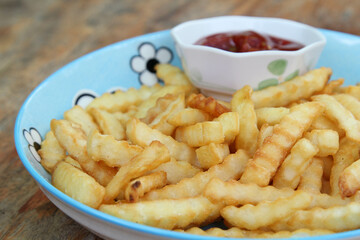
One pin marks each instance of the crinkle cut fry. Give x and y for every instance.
(275, 148)
(207, 104)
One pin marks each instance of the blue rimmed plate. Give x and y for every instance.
(125, 64)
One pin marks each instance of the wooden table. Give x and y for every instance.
(38, 37)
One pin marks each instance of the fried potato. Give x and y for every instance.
(337, 112)
(212, 154)
(150, 158)
(108, 124)
(78, 115)
(350, 103)
(73, 139)
(172, 75)
(120, 101)
(270, 115)
(301, 87)
(348, 152)
(201, 134)
(349, 180)
(265, 131)
(331, 86)
(288, 175)
(327, 141)
(164, 213)
(188, 116)
(207, 104)
(231, 168)
(230, 123)
(73, 162)
(351, 90)
(51, 152)
(311, 178)
(177, 170)
(113, 152)
(337, 218)
(268, 158)
(138, 187)
(241, 103)
(124, 117)
(141, 134)
(78, 185)
(324, 123)
(265, 213)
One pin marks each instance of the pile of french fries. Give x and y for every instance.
(278, 162)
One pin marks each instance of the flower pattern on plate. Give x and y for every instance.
(33, 138)
(145, 62)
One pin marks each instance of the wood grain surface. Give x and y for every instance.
(39, 36)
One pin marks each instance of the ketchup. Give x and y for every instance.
(248, 41)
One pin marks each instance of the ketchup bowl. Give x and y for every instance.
(211, 57)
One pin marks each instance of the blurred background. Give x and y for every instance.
(39, 36)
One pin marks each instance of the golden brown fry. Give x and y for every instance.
(138, 187)
(172, 75)
(73, 139)
(78, 185)
(265, 131)
(141, 134)
(324, 123)
(108, 123)
(331, 86)
(241, 103)
(106, 148)
(349, 180)
(265, 213)
(188, 116)
(288, 175)
(350, 103)
(327, 141)
(351, 90)
(207, 104)
(201, 134)
(301, 87)
(230, 122)
(78, 115)
(150, 158)
(212, 154)
(51, 152)
(348, 152)
(165, 213)
(270, 115)
(73, 162)
(337, 112)
(268, 158)
(231, 168)
(311, 179)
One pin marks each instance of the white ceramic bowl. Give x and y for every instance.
(123, 65)
(220, 73)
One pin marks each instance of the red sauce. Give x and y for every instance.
(248, 41)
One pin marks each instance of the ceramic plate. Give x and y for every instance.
(125, 64)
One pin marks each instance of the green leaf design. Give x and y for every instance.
(267, 83)
(277, 67)
(292, 75)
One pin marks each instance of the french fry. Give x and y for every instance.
(324, 123)
(331, 86)
(73, 162)
(141, 134)
(348, 152)
(241, 103)
(270, 115)
(319, 218)
(212, 154)
(351, 90)
(177, 170)
(288, 175)
(120, 101)
(73, 139)
(349, 180)
(164, 213)
(207, 104)
(78, 115)
(230, 122)
(51, 152)
(265, 213)
(124, 117)
(230, 168)
(78, 185)
(113, 152)
(200, 134)
(268, 158)
(108, 124)
(301, 87)
(265, 131)
(311, 178)
(138, 187)
(188, 116)
(350, 103)
(337, 112)
(327, 141)
(172, 75)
